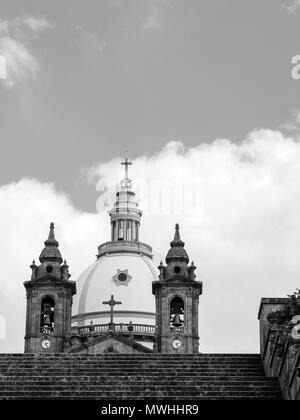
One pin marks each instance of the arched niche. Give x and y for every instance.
(177, 313)
(47, 314)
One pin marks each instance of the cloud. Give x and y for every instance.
(293, 126)
(27, 208)
(155, 13)
(243, 233)
(89, 41)
(21, 64)
(16, 37)
(36, 25)
(244, 237)
(293, 7)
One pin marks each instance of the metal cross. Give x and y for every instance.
(126, 163)
(112, 302)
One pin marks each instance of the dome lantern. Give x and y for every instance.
(125, 219)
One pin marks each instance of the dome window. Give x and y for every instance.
(122, 277)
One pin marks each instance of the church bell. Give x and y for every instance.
(176, 321)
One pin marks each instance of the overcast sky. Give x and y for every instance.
(198, 91)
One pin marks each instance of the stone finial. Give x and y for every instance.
(177, 251)
(33, 268)
(130, 329)
(65, 271)
(51, 252)
(51, 241)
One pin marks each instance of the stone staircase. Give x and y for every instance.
(135, 376)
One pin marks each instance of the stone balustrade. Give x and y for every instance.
(138, 329)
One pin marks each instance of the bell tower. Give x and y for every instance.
(177, 299)
(49, 301)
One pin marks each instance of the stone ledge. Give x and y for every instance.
(271, 301)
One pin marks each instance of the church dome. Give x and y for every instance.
(124, 271)
(126, 276)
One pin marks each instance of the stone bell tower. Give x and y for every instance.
(177, 299)
(49, 302)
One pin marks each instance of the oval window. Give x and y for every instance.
(122, 277)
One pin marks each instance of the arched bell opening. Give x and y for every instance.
(47, 315)
(177, 314)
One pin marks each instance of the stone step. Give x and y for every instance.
(166, 380)
(190, 377)
(117, 356)
(130, 361)
(47, 378)
(151, 363)
(164, 390)
(130, 367)
(139, 372)
(123, 355)
(150, 394)
(190, 398)
(126, 361)
(136, 374)
(136, 365)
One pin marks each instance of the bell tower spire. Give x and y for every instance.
(177, 299)
(49, 301)
(51, 251)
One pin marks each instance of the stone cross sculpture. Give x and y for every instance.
(112, 302)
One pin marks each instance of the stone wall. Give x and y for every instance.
(280, 353)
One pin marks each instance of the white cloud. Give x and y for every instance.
(36, 24)
(246, 236)
(27, 208)
(89, 41)
(293, 126)
(245, 243)
(153, 18)
(293, 7)
(155, 13)
(16, 40)
(21, 64)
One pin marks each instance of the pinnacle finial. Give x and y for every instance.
(177, 234)
(33, 265)
(177, 250)
(177, 240)
(51, 232)
(51, 250)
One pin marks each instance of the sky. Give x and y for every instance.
(203, 94)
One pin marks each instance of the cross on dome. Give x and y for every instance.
(126, 182)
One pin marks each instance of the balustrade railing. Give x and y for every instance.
(141, 329)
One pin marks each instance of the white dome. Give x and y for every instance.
(124, 269)
(101, 280)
